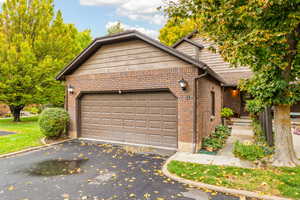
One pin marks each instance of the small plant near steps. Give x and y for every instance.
(216, 140)
(227, 114)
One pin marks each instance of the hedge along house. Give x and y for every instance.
(128, 88)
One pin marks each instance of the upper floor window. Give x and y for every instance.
(213, 103)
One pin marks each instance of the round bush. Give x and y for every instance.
(227, 113)
(53, 122)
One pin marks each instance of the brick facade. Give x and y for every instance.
(154, 79)
(206, 123)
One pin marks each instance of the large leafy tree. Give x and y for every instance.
(264, 35)
(35, 44)
(175, 29)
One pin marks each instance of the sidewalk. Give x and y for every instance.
(241, 133)
(225, 157)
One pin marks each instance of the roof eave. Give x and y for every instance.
(189, 36)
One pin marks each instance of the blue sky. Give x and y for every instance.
(97, 15)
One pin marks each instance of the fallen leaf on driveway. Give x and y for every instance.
(11, 188)
(132, 195)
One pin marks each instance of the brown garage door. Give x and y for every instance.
(139, 118)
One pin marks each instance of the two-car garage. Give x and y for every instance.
(131, 89)
(146, 118)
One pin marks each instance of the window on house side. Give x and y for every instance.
(213, 102)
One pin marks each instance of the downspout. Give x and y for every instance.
(195, 109)
(66, 98)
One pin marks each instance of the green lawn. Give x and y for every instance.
(29, 135)
(283, 182)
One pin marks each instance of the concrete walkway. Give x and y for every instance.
(241, 133)
(225, 157)
(211, 160)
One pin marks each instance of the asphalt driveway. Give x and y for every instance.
(81, 170)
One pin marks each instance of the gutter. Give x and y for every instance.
(195, 108)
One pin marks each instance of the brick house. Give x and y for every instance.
(128, 88)
(197, 47)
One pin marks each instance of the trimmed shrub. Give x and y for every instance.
(53, 122)
(227, 113)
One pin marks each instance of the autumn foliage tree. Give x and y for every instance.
(175, 29)
(261, 34)
(35, 44)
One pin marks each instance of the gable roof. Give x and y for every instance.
(187, 39)
(126, 36)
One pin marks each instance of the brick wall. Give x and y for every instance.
(151, 79)
(206, 123)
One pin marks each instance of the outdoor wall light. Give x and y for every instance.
(235, 92)
(71, 89)
(182, 84)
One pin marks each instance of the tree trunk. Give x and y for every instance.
(284, 149)
(16, 112)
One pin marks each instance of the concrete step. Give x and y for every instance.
(241, 120)
(241, 124)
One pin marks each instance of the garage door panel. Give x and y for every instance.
(117, 122)
(141, 110)
(155, 117)
(142, 118)
(169, 111)
(155, 111)
(155, 124)
(169, 118)
(155, 140)
(169, 125)
(96, 109)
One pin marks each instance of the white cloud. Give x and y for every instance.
(145, 10)
(149, 32)
(100, 2)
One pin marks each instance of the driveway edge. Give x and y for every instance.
(217, 188)
(33, 149)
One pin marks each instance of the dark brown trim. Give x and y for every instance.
(82, 93)
(126, 36)
(230, 85)
(78, 115)
(66, 98)
(189, 36)
(200, 46)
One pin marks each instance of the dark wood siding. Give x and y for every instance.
(148, 118)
